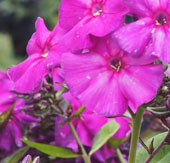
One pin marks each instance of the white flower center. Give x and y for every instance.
(97, 9)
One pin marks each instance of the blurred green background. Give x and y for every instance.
(17, 19)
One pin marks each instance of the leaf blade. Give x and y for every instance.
(5, 116)
(15, 157)
(142, 155)
(104, 134)
(52, 150)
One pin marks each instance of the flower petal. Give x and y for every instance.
(39, 38)
(28, 75)
(26, 119)
(6, 139)
(139, 84)
(164, 4)
(103, 24)
(17, 133)
(72, 11)
(160, 44)
(142, 8)
(85, 135)
(78, 38)
(109, 20)
(126, 36)
(124, 127)
(88, 78)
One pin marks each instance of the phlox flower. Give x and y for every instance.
(87, 126)
(106, 79)
(151, 32)
(43, 56)
(84, 17)
(10, 132)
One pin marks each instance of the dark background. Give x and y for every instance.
(17, 24)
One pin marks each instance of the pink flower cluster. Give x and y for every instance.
(107, 65)
(11, 133)
(87, 126)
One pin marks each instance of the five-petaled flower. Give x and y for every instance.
(107, 79)
(151, 30)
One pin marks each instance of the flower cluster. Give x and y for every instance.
(14, 123)
(107, 65)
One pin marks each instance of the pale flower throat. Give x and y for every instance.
(97, 9)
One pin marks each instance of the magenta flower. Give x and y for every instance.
(82, 17)
(44, 55)
(151, 30)
(6, 97)
(11, 132)
(87, 127)
(107, 79)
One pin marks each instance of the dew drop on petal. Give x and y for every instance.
(85, 51)
(88, 77)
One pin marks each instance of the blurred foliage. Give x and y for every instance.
(20, 9)
(7, 57)
(16, 8)
(49, 11)
(17, 23)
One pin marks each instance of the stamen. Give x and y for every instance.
(98, 13)
(115, 64)
(45, 55)
(161, 19)
(97, 9)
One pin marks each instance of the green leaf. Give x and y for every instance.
(76, 114)
(5, 116)
(52, 150)
(115, 142)
(161, 156)
(104, 134)
(15, 157)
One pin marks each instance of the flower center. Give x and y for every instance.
(115, 64)
(161, 18)
(45, 51)
(97, 9)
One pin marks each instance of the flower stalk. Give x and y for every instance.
(119, 155)
(85, 156)
(135, 134)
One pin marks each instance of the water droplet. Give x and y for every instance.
(140, 23)
(153, 52)
(153, 30)
(85, 51)
(88, 77)
(62, 134)
(135, 51)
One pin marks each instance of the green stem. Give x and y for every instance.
(85, 156)
(119, 155)
(135, 134)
